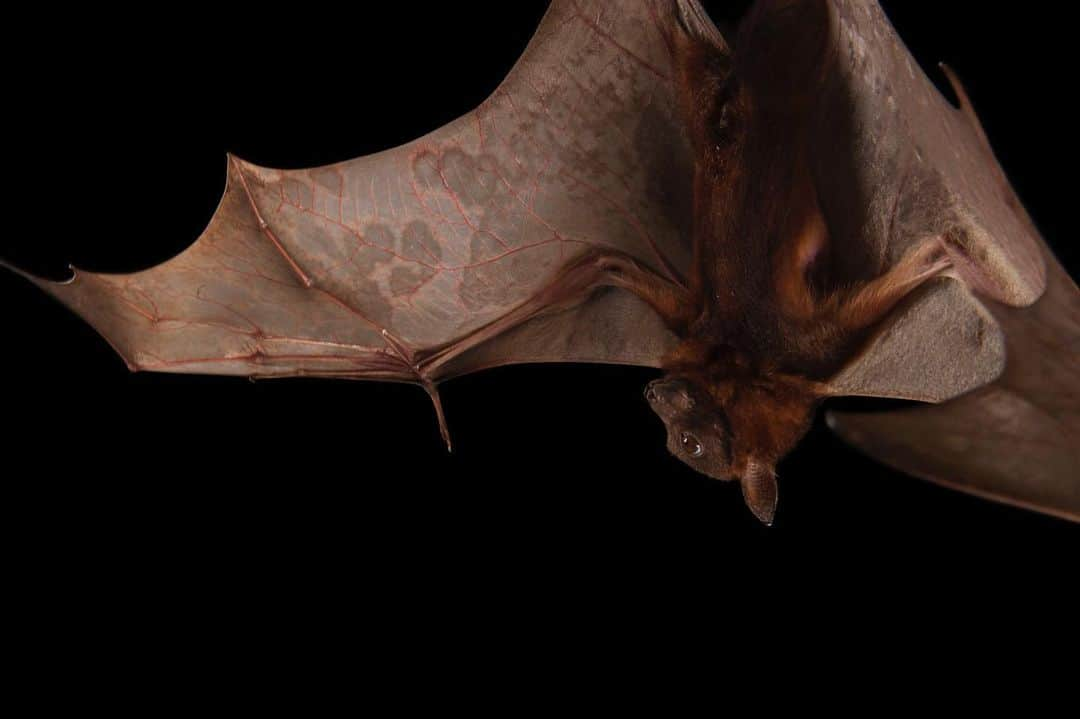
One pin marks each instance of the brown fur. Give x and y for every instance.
(760, 326)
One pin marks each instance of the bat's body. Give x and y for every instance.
(799, 218)
(764, 322)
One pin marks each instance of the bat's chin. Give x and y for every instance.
(721, 473)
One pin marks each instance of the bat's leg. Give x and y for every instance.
(871, 302)
(573, 284)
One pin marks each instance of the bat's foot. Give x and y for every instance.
(444, 431)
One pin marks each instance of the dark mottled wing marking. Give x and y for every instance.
(356, 269)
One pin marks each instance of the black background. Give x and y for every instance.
(169, 495)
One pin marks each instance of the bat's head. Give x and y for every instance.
(734, 429)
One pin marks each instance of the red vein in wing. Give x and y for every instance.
(594, 25)
(267, 231)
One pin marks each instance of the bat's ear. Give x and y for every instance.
(760, 491)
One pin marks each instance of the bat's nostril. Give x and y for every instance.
(651, 395)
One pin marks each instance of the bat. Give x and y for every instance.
(634, 193)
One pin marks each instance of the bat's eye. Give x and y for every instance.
(691, 445)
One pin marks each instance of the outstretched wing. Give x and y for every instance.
(356, 269)
(899, 166)
(1016, 440)
(896, 166)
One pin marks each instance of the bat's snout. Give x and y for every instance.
(667, 397)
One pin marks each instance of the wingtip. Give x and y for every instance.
(34, 279)
(12, 268)
(239, 164)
